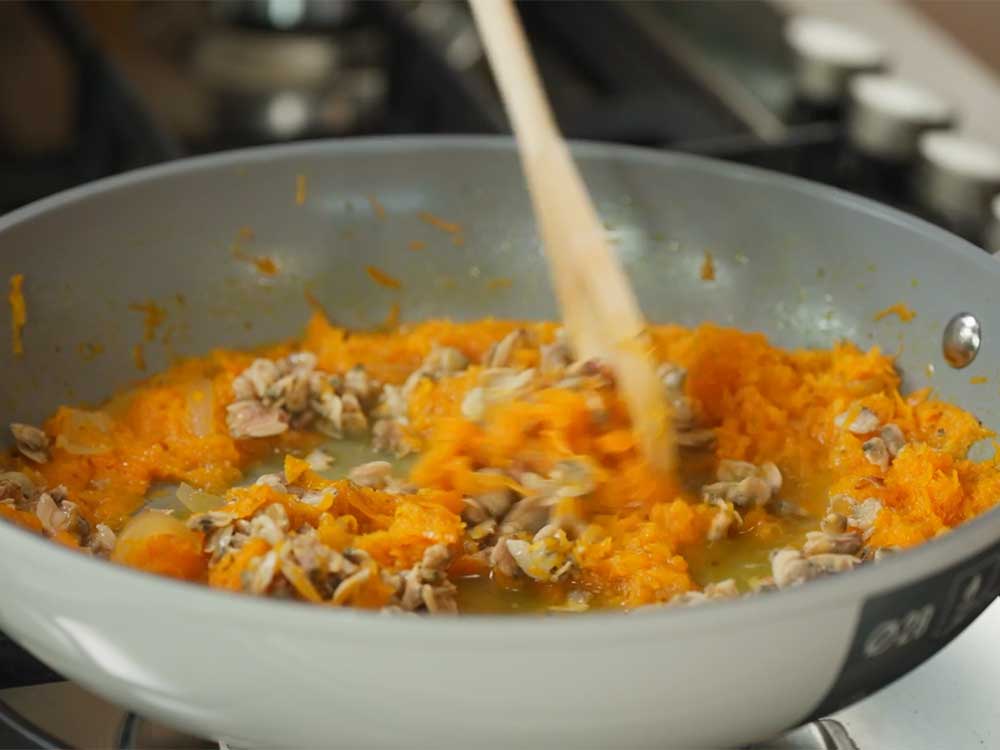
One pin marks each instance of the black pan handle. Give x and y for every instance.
(901, 628)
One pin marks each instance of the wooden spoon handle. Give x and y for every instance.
(601, 313)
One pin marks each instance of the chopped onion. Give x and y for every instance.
(201, 407)
(86, 433)
(197, 501)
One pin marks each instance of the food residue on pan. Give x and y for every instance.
(314, 303)
(377, 208)
(978, 380)
(446, 282)
(707, 271)
(391, 321)
(263, 264)
(18, 313)
(438, 223)
(266, 266)
(499, 283)
(139, 357)
(383, 278)
(300, 189)
(457, 240)
(900, 309)
(153, 317)
(447, 466)
(90, 349)
(416, 245)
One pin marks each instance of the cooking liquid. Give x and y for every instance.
(744, 557)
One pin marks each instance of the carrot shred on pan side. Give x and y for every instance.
(438, 223)
(153, 317)
(392, 319)
(377, 208)
(707, 272)
(381, 277)
(263, 264)
(266, 265)
(903, 311)
(18, 313)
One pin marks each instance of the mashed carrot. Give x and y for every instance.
(159, 544)
(628, 535)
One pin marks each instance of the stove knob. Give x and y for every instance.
(957, 179)
(286, 15)
(827, 54)
(887, 115)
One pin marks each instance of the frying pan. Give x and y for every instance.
(805, 264)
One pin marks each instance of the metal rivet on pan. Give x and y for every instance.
(962, 338)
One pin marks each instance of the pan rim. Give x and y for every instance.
(963, 542)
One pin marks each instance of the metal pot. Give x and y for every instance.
(806, 264)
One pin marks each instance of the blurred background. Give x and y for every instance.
(895, 100)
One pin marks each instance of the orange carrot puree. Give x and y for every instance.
(644, 534)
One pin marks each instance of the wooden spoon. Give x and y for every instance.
(600, 311)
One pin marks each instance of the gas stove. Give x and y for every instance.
(775, 84)
(791, 85)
